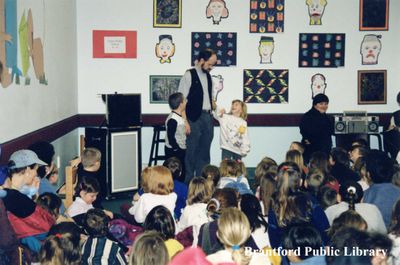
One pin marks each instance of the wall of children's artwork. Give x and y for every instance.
(319, 46)
(38, 52)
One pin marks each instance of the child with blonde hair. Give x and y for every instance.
(158, 187)
(233, 232)
(234, 138)
(233, 176)
(195, 212)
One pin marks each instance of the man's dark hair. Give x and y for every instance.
(340, 155)
(360, 141)
(96, 223)
(206, 54)
(175, 100)
(379, 166)
(302, 236)
(362, 150)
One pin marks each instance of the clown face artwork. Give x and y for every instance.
(217, 10)
(370, 49)
(265, 49)
(218, 85)
(165, 49)
(318, 84)
(316, 9)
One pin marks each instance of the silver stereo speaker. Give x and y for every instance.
(346, 124)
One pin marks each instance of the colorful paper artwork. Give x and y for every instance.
(318, 84)
(370, 49)
(267, 16)
(223, 43)
(162, 86)
(374, 15)
(316, 10)
(266, 86)
(165, 49)
(372, 87)
(321, 50)
(265, 49)
(114, 44)
(167, 13)
(217, 10)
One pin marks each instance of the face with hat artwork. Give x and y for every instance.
(165, 48)
(216, 9)
(265, 49)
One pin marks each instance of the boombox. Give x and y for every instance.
(356, 122)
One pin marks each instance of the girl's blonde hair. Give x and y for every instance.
(289, 180)
(243, 115)
(233, 232)
(157, 180)
(149, 249)
(229, 168)
(199, 191)
(296, 157)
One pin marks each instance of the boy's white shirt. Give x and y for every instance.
(230, 138)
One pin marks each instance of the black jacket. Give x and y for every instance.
(318, 129)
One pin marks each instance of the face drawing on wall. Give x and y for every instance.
(370, 49)
(265, 49)
(218, 85)
(316, 9)
(165, 49)
(216, 9)
(318, 84)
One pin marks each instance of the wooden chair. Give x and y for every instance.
(70, 183)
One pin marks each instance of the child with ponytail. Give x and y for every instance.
(233, 232)
(350, 195)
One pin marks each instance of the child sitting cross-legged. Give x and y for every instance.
(98, 249)
(233, 176)
(88, 190)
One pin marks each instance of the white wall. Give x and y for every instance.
(96, 76)
(27, 108)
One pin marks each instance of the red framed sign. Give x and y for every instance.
(114, 44)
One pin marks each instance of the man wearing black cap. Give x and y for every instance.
(196, 86)
(316, 127)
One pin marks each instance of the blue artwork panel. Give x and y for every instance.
(321, 50)
(223, 43)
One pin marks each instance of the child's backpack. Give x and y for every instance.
(241, 187)
(124, 232)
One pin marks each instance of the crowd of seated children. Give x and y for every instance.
(293, 207)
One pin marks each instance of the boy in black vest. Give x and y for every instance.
(175, 142)
(196, 87)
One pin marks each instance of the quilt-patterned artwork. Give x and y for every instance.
(321, 50)
(267, 16)
(223, 43)
(266, 86)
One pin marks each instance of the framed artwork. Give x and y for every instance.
(321, 49)
(162, 86)
(265, 86)
(372, 87)
(114, 44)
(374, 15)
(223, 43)
(167, 13)
(267, 16)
